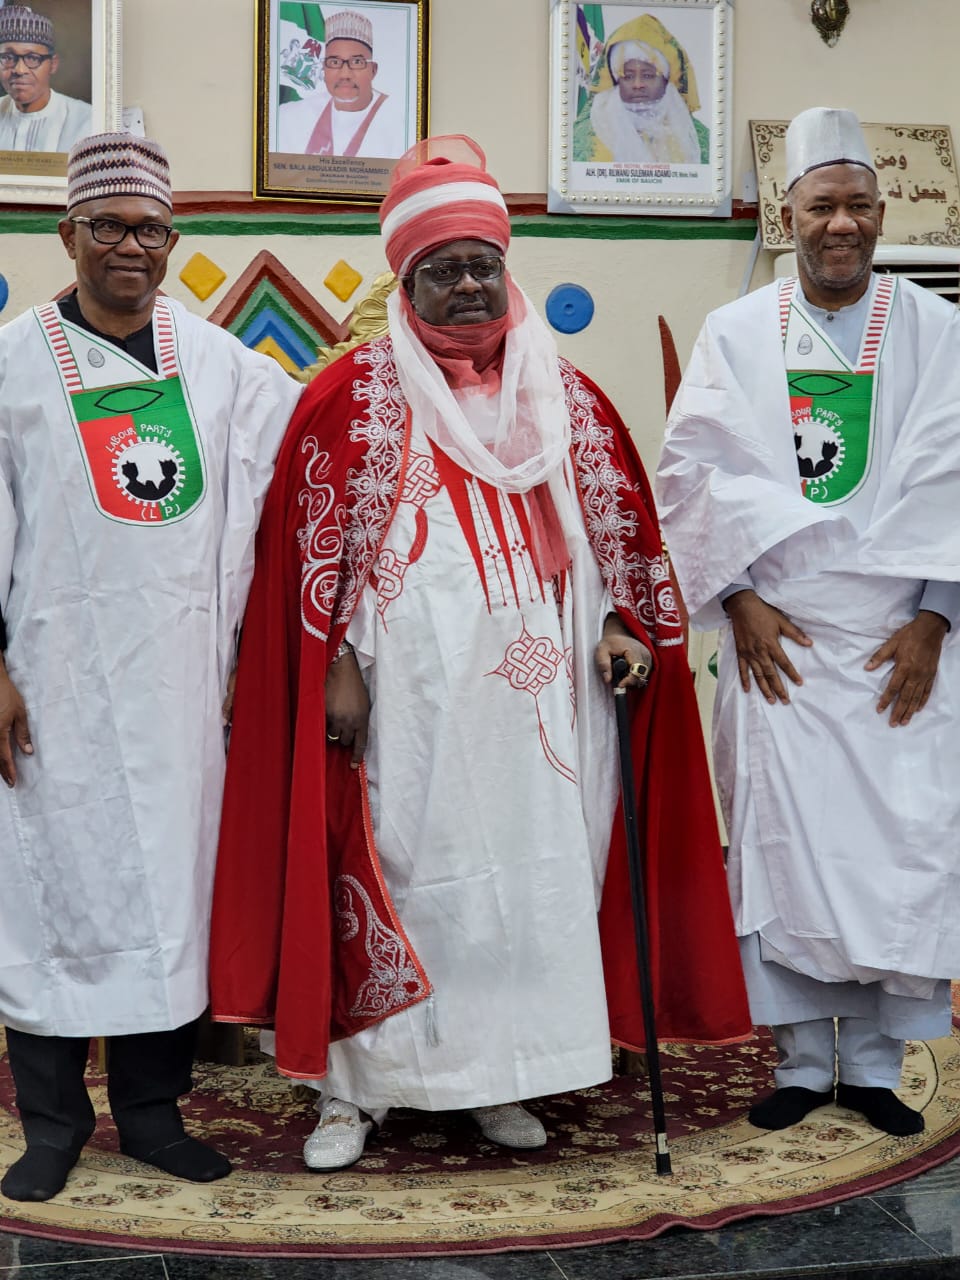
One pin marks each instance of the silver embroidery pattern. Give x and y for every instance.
(320, 540)
(394, 981)
(371, 488)
(638, 584)
(338, 542)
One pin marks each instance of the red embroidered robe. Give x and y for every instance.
(290, 947)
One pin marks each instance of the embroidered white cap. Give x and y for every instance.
(20, 25)
(822, 136)
(117, 164)
(349, 25)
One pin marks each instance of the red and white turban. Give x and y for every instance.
(440, 192)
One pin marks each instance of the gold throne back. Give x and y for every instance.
(369, 320)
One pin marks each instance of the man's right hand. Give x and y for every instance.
(757, 629)
(348, 708)
(14, 730)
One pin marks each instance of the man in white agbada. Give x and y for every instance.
(136, 444)
(809, 489)
(643, 119)
(33, 116)
(349, 116)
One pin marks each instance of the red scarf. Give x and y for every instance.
(470, 355)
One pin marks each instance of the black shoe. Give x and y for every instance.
(882, 1108)
(787, 1106)
(184, 1157)
(39, 1173)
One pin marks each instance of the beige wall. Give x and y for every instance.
(631, 283)
(197, 98)
(489, 76)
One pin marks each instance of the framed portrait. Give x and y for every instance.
(59, 82)
(640, 110)
(341, 94)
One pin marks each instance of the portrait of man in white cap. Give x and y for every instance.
(347, 115)
(33, 115)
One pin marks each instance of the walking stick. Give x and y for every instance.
(638, 898)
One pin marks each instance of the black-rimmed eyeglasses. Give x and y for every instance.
(446, 271)
(31, 60)
(356, 63)
(148, 235)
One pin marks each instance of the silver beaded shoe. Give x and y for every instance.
(339, 1138)
(510, 1125)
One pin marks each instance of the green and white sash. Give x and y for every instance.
(832, 403)
(140, 446)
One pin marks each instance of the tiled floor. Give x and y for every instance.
(909, 1232)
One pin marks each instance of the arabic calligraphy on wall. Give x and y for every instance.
(915, 169)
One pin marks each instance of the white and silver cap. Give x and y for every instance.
(822, 136)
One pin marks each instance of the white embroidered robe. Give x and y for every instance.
(497, 887)
(121, 639)
(844, 832)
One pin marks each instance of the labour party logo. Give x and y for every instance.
(831, 432)
(141, 451)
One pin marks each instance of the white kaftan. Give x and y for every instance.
(844, 832)
(121, 638)
(497, 888)
(385, 137)
(650, 133)
(55, 127)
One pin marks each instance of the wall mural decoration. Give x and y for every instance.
(59, 81)
(341, 93)
(269, 310)
(640, 107)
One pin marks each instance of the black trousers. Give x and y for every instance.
(145, 1075)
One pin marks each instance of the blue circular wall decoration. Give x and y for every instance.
(4, 292)
(569, 308)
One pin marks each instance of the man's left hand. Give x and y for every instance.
(227, 708)
(14, 731)
(914, 651)
(618, 643)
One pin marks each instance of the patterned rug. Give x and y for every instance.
(431, 1184)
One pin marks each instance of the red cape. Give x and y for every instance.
(298, 885)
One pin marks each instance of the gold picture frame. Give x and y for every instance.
(311, 141)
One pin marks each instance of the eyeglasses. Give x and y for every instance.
(445, 271)
(149, 235)
(356, 63)
(30, 60)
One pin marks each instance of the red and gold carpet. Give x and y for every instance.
(431, 1184)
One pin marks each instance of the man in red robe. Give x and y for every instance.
(422, 883)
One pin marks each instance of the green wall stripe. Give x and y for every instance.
(540, 226)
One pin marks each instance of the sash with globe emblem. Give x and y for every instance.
(832, 402)
(140, 447)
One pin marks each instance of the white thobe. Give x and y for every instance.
(121, 639)
(57, 125)
(656, 133)
(843, 830)
(497, 888)
(386, 137)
